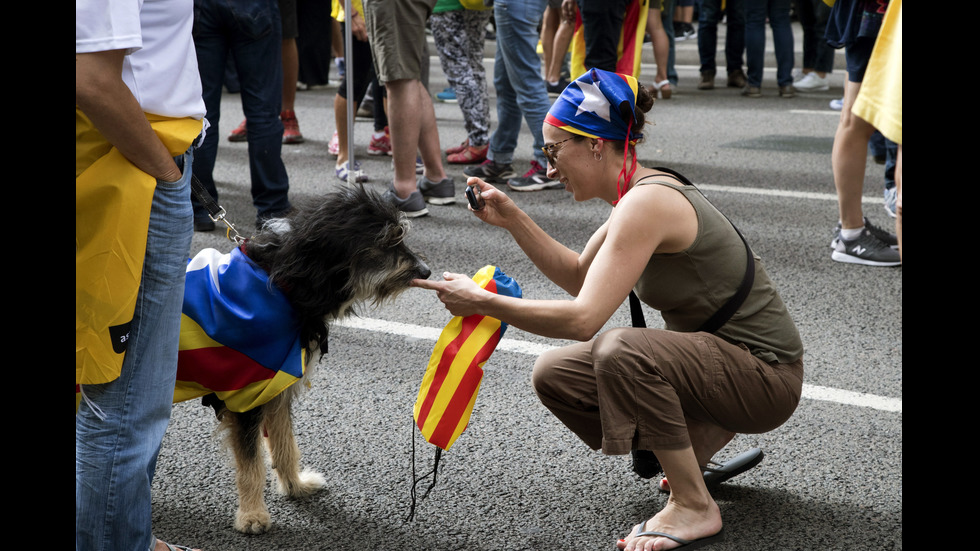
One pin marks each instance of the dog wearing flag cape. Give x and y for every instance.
(255, 322)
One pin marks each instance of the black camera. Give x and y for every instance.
(474, 197)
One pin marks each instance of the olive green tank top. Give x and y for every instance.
(689, 286)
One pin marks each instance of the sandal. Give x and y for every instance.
(663, 88)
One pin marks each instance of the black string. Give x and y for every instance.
(416, 480)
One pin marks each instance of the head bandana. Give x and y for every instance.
(600, 104)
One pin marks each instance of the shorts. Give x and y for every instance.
(397, 31)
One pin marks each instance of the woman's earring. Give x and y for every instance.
(597, 156)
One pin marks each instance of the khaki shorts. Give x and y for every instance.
(634, 388)
(397, 34)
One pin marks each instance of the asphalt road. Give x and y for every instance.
(516, 479)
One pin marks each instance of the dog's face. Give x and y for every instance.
(343, 248)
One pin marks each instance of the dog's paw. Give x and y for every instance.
(306, 483)
(252, 522)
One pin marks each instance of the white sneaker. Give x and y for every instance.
(812, 82)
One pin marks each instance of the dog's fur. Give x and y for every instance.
(326, 256)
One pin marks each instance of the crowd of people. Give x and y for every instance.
(149, 81)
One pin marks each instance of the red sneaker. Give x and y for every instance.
(290, 127)
(380, 146)
(458, 148)
(239, 134)
(471, 155)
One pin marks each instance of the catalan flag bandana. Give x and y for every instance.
(239, 337)
(600, 104)
(452, 379)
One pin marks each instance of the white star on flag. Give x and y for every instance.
(593, 101)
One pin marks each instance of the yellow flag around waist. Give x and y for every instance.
(112, 211)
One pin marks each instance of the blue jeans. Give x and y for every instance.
(521, 92)
(777, 11)
(251, 33)
(119, 425)
(708, 19)
(667, 17)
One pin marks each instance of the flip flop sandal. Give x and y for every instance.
(716, 473)
(684, 544)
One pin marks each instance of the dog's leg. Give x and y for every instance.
(244, 435)
(285, 453)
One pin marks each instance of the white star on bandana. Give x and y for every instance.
(594, 101)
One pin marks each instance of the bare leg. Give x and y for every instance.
(706, 440)
(290, 73)
(563, 37)
(849, 157)
(340, 123)
(660, 43)
(412, 123)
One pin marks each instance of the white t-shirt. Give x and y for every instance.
(161, 65)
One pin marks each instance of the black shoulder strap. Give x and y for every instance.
(728, 309)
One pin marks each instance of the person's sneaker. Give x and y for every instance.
(891, 197)
(413, 206)
(344, 172)
(290, 128)
(535, 179)
(866, 249)
(341, 66)
(787, 91)
(885, 236)
(688, 32)
(752, 92)
(334, 146)
(448, 95)
(737, 79)
(457, 148)
(837, 104)
(471, 155)
(419, 165)
(555, 90)
(380, 145)
(239, 134)
(491, 172)
(365, 110)
(442, 192)
(812, 82)
(707, 81)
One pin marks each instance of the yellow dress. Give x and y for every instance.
(880, 100)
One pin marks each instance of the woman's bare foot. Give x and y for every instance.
(695, 522)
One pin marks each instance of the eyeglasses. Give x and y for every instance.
(549, 151)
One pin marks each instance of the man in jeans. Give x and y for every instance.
(251, 32)
(138, 110)
(521, 94)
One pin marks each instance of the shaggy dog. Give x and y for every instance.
(324, 258)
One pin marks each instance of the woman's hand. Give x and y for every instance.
(499, 210)
(461, 295)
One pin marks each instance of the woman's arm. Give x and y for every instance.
(618, 254)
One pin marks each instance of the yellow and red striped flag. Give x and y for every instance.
(452, 379)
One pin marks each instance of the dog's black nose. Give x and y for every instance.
(424, 271)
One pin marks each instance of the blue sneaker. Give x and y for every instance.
(447, 96)
(837, 104)
(344, 171)
(891, 196)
